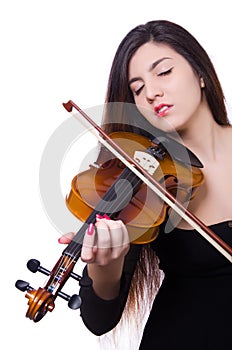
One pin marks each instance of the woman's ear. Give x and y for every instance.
(202, 83)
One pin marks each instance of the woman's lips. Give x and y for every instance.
(162, 109)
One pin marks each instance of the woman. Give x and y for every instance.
(165, 72)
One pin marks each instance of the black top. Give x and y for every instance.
(193, 308)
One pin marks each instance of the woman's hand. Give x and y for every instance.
(104, 247)
(105, 242)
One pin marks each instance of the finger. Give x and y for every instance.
(103, 234)
(126, 237)
(110, 240)
(120, 239)
(88, 249)
(118, 232)
(66, 238)
(103, 242)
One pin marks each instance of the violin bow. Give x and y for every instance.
(154, 185)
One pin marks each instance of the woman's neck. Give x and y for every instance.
(204, 137)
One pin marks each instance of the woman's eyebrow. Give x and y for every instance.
(153, 65)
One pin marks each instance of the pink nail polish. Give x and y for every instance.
(106, 217)
(98, 216)
(90, 230)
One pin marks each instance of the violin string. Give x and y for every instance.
(52, 282)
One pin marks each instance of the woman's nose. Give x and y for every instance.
(152, 92)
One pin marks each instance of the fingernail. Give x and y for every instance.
(98, 216)
(90, 230)
(59, 240)
(106, 217)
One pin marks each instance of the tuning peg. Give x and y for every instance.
(75, 276)
(23, 285)
(34, 265)
(74, 301)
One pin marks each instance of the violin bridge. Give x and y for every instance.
(146, 161)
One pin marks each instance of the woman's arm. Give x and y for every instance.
(104, 249)
(102, 315)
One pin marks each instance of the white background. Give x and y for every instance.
(53, 51)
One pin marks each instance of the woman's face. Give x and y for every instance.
(165, 88)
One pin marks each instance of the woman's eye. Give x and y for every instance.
(137, 92)
(166, 72)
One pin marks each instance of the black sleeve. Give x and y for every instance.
(99, 315)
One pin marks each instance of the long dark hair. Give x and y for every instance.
(179, 39)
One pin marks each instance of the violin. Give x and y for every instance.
(134, 179)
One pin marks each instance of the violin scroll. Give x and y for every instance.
(41, 300)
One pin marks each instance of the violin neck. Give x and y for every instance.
(73, 250)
